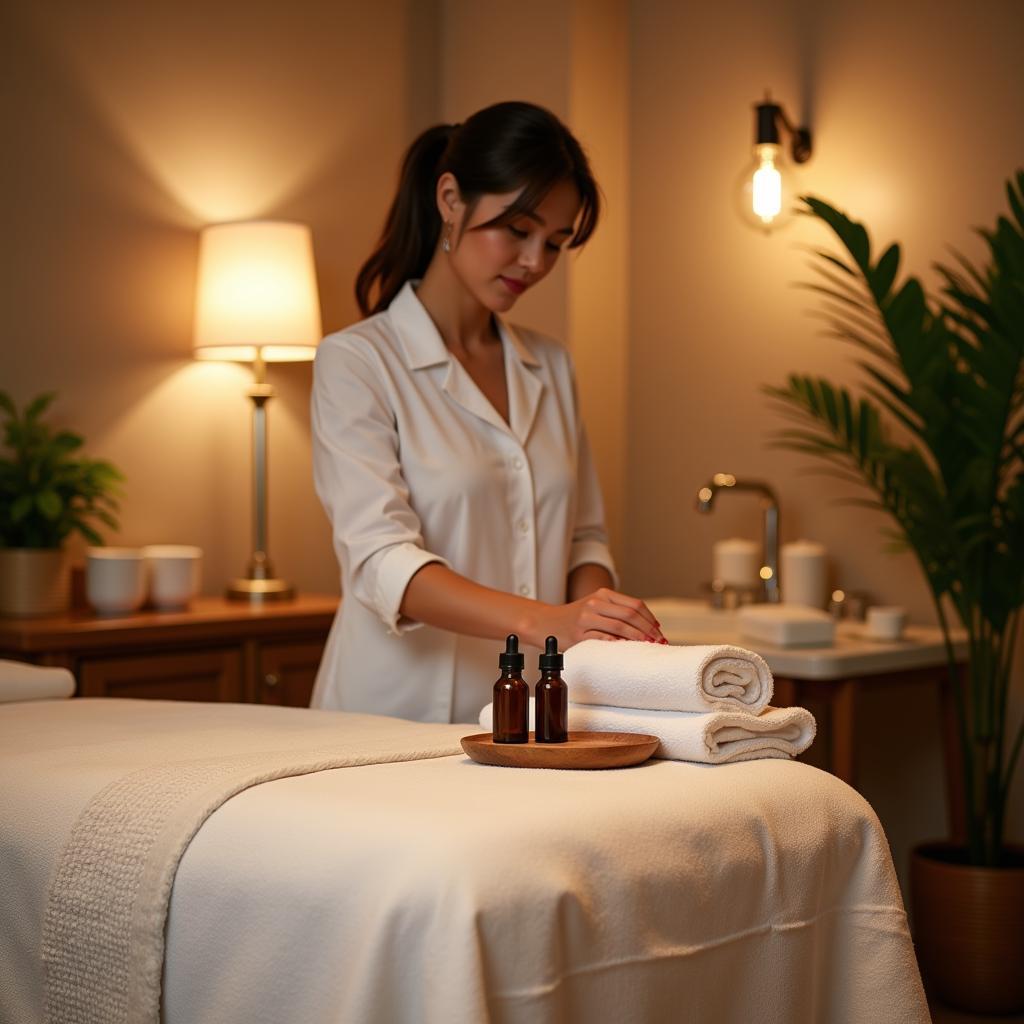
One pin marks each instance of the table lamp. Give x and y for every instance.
(257, 303)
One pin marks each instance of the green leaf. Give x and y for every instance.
(38, 405)
(66, 442)
(89, 533)
(1014, 197)
(836, 261)
(851, 234)
(20, 507)
(49, 503)
(885, 273)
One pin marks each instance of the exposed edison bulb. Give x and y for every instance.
(767, 189)
(766, 186)
(769, 186)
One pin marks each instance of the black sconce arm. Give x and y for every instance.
(769, 117)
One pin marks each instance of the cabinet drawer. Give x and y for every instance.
(208, 675)
(285, 672)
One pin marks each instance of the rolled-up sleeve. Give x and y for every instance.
(358, 478)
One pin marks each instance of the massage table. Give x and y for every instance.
(238, 864)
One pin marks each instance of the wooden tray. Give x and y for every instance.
(581, 750)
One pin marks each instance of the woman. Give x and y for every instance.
(448, 448)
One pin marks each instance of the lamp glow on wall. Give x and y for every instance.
(257, 303)
(766, 185)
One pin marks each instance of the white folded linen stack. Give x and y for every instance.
(704, 703)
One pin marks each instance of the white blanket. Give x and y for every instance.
(143, 778)
(663, 677)
(715, 737)
(444, 892)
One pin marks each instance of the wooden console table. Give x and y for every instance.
(217, 650)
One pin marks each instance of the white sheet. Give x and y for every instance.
(445, 891)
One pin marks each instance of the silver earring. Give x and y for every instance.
(446, 240)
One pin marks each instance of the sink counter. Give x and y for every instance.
(853, 654)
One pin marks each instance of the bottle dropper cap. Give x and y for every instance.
(551, 660)
(511, 658)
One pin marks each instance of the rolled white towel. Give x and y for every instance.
(659, 677)
(713, 737)
(21, 681)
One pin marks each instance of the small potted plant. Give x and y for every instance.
(46, 493)
(937, 435)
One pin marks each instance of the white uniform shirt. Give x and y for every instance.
(414, 465)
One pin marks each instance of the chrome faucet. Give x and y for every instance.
(770, 507)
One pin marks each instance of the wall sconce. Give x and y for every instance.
(766, 187)
(257, 303)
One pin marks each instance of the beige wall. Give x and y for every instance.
(132, 125)
(598, 295)
(572, 58)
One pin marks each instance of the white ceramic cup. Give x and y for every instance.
(804, 569)
(174, 574)
(736, 561)
(115, 579)
(885, 622)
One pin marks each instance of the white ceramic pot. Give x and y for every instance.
(174, 571)
(885, 622)
(33, 581)
(115, 579)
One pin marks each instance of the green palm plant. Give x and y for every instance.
(937, 435)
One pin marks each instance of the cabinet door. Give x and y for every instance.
(286, 673)
(210, 675)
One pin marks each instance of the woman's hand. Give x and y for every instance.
(440, 597)
(603, 615)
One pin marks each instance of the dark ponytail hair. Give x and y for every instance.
(501, 148)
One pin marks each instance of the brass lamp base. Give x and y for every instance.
(257, 591)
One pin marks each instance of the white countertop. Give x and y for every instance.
(853, 654)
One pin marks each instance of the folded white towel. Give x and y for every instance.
(661, 677)
(715, 737)
(20, 681)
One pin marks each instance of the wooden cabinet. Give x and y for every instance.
(285, 673)
(195, 675)
(218, 650)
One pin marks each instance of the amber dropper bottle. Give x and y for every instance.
(552, 704)
(511, 697)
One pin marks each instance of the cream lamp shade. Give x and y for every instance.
(257, 294)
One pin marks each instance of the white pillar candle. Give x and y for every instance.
(736, 562)
(803, 573)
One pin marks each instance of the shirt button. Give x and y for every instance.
(524, 526)
(524, 590)
(517, 463)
